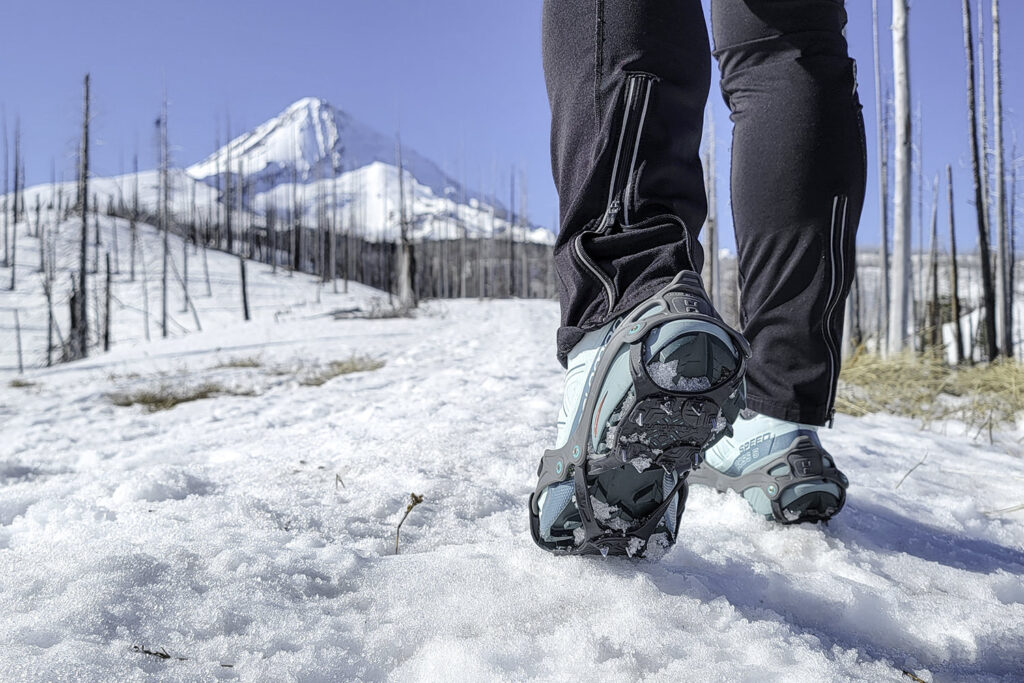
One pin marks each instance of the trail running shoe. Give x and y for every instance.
(779, 467)
(644, 395)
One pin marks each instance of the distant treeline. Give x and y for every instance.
(483, 267)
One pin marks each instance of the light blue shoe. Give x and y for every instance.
(779, 467)
(643, 397)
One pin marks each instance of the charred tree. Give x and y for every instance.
(988, 292)
(80, 323)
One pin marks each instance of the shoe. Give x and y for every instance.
(779, 467)
(644, 395)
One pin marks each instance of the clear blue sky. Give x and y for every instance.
(461, 78)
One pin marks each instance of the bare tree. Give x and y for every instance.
(883, 152)
(1004, 295)
(511, 239)
(332, 237)
(1012, 218)
(919, 299)
(983, 112)
(40, 233)
(245, 288)
(7, 180)
(406, 263)
(145, 290)
(18, 181)
(133, 228)
(228, 194)
(184, 250)
(106, 308)
(96, 241)
(934, 312)
(954, 275)
(902, 272)
(80, 327)
(983, 239)
(164, 214)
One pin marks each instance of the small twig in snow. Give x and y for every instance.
(913, 677)
(1012, 508)
(163, 654)
(414, 500)
(338, 480)
(910, 471)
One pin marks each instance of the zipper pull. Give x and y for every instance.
(610, 214)
(831, 418)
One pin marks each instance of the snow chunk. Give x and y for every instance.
(666, 376)
(603, 512)
(162, 483)
(641, 464)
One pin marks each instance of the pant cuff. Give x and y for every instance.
(810, 415)
(570, 335)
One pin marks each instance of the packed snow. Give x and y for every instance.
(251, 534)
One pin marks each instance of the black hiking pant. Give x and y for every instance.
(627, 82)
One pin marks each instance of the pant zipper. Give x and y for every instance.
(635, 102)
(838, 278)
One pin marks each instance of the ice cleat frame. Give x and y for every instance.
(664, 420)
(803, 463)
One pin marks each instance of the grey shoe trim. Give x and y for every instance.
(669, 428)
(805, 463)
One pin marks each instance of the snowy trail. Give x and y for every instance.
(216, 531)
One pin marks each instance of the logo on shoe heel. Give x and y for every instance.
(805, 466)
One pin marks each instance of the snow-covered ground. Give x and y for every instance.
(253, 536)
(136, 304)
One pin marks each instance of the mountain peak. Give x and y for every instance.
(307, 102)
(311, 140)
(302, 143)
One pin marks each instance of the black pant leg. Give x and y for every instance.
(798, 176)
(590, 49)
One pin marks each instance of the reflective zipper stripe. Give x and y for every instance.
(609, 288)
(838, 263)
(636, 151)
(834, 288)
(615, 200)
(630, 91)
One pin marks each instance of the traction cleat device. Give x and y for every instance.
(662, 385)
(779, 467)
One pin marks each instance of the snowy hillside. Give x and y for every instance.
(136, 303)
(252, 534)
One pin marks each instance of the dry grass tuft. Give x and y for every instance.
(983, 397)
(320, 375)
(242, 362)
(378, 310)
(18, 383)
(166, 396)
(903, 385)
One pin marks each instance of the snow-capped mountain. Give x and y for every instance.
(318, 159)
(317, 156)
(312, 140)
